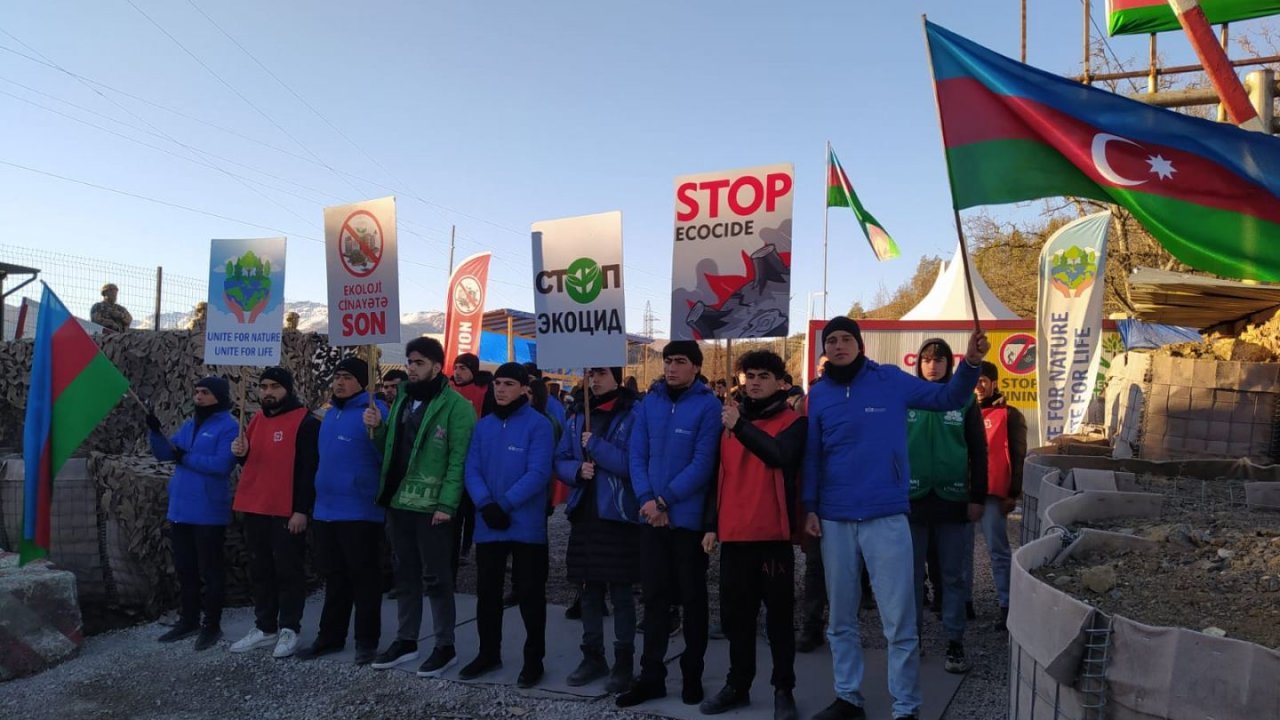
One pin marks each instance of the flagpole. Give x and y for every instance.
(955, 208)
(826, 211)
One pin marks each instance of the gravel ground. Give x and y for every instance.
(126, 674)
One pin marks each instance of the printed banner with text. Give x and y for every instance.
(732, 272)
(577, 275)
(364, 274)
(245, 314)
(1069, 323)
(464, 308)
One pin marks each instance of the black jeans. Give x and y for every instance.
(815, 589)
(197, 558)
(423, 549)
(529, 577)
(624, 617)
(464, 530)
(276, 568)
(347, 553)
(752, 573)
(674, 567)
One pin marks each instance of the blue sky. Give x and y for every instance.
(490, 116)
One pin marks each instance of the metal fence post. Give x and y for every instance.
(159, 286)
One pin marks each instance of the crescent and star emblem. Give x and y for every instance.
(1160, 167)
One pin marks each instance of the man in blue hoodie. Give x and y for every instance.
(508, 476)
(199, 507)
(856, 476)
(348, 520)
(674, 446)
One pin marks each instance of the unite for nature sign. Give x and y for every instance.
(245, 313)
(363, 273)
(577, 275)
(732, 272)
(1069, 323)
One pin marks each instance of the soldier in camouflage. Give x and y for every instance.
(109, 313)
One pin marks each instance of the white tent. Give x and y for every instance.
(948, 299)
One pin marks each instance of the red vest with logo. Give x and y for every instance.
(473, 393)
(752, 497)
(999, 467)
(266, 481)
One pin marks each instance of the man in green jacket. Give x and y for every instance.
(424, 445)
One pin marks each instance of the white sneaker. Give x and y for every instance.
(255, 639)
(287, 643)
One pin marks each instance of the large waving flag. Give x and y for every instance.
(73, 387)
(840, 194)
(1126, 17)
(1209, 192)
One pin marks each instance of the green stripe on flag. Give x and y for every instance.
(1161, 18)
(996, 172)
(82, 406)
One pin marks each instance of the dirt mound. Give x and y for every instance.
(1225, 349)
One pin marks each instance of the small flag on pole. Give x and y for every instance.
(840, 194)
(73, 387)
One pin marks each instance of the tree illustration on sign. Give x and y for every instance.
(1074, 270)
(247, 287)
(583, 280)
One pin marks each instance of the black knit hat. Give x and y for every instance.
(280, 375)
(220, 388)
(357, 368)
(687, 348)
(512, 371)
(990, 371)
(468, 361)
(845, 324)
(616, 371)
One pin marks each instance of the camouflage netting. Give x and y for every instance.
(121, 557)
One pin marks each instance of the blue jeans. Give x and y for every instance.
(952, 550)
(885, 546)
(995, 530)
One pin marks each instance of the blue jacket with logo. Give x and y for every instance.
(200, 488)
(615, 497)
(674, 448)
(509, 463)
(347, 478)
(855, 465)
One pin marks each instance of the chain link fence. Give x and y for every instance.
(78, 281)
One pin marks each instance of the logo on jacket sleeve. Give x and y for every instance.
(514, 448)
(441, 433)
(277, 436)
(954, 416)
(875, 409)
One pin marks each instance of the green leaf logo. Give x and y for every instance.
(583, 281)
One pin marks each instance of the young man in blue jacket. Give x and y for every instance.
(348, 520)
(604, 542)
(199, 507)
(674, 446)
(508, 476)
(856, 475)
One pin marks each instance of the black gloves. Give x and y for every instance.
(495, 517)
(177, 455)
(153, 422)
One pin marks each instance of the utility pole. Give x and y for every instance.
(453, 233)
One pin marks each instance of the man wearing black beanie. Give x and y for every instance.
(855, 480)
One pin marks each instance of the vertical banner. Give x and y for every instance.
(732, 272)
(245, 314)
(1069, 323)
(464, 308)
(577, 272)
(364, 273)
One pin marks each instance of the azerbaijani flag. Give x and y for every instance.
(1130, 17)
(840, 194)
(1208, 192)
(73, 387)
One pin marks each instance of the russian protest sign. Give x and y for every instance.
(732, 272)
(578, 298)
(245, 313)
(1069, 323)
(364, 277)
(464, 313)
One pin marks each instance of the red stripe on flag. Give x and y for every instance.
(1118, 5)
(972, 113)
(72, 351)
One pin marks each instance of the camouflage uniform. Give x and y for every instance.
(109, 314)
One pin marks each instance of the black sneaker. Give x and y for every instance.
(319, 648)
(208, 637)
(727, 699)
(181, 631)
(642, 691)
(365, 655)
(401, 651)
(478, 667)
(529, 676)
(841, 709)
(442, 658)
(956, 661)
(784, 705)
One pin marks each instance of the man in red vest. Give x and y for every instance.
(1006, 449)
(280, 453)
(473, 384)
(755, 497)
